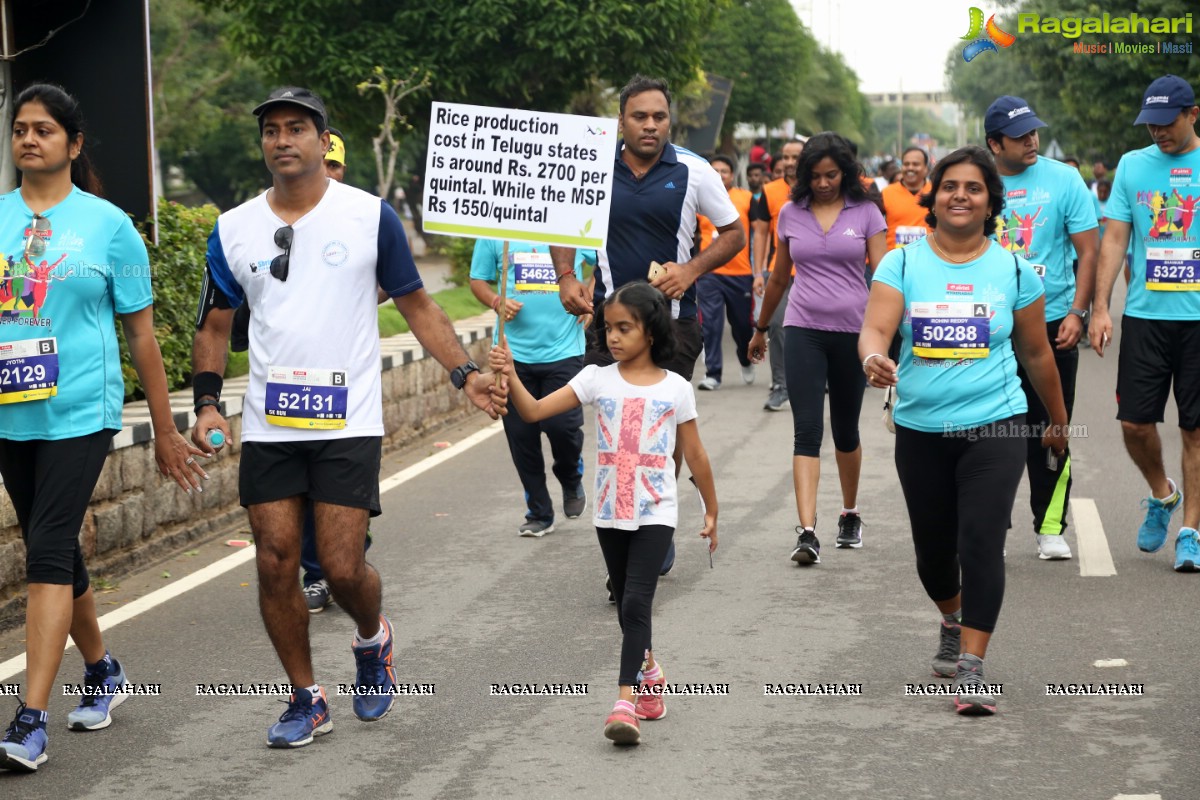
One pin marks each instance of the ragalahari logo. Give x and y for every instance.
(981, 43)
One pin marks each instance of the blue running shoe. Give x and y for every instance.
(23, 747)
(1187, 551)
(375, 683)
(307, 716)
(1153, 533)
(103, 684)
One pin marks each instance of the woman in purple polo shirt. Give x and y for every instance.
(829, 230)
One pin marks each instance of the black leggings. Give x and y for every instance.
(959, 488)
(634, 559)
(50, 483)
(813, 359)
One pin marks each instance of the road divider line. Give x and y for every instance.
(1095, 559)
(16, 664)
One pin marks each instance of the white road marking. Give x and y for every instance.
(1138, 797)
(16, 664)
(1095, 559)
(1111, 662)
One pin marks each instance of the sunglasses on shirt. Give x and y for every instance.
(35, 244)
(281, 262)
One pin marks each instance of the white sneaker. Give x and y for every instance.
(1052, 548)
(748, 375)
(710, 384)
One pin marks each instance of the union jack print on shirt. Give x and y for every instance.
(633, 437)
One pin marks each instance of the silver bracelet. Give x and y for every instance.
(868, 358)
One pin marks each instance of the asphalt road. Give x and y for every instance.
(475, 605)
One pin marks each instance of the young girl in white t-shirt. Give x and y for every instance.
(641, 411)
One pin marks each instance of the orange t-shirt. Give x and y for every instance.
(740, 263)
(904, 215)
(776, 193)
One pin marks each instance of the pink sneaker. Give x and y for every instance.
(622, 728)
(649, 701)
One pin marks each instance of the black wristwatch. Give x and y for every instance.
(763, 329)
(1083, 314)
(458, 375)
(208, 401)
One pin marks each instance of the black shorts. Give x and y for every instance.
(689, 342)
(1154, 354)
(342, 472)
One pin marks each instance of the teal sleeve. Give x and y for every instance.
(129, 269)
(483, 262)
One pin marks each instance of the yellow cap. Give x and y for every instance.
(337, 150)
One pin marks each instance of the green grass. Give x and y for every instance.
(458, 303)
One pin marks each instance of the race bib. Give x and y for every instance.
(534, 272)
(1173, 269)
(306, 398)
(950, 330)
(28, 370)
(907, 234)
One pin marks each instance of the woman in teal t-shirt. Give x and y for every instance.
(966, 311)
(71, 261)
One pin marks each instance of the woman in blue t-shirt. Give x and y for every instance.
(966, 310)
(71, 261)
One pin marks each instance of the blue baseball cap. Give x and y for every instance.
(1011, 116)
(1164, 99)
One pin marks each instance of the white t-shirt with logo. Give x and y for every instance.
(314, 338)
(635, 443)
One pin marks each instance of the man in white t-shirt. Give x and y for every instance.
(307, 256)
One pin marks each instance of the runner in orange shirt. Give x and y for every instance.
(901, 200)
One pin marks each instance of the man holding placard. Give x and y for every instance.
(658, 189)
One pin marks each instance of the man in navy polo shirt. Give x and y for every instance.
(658, 189)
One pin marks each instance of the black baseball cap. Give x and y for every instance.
(296, 96)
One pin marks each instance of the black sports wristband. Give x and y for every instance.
(206, 384)
(762, 330)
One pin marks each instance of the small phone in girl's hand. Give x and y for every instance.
(1051, 460)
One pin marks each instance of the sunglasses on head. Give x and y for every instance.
(279, 264)
(35, 244)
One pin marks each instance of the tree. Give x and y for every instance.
(1089, 101)
(518, 53)
(761, 46)
(885, 119)
(203, 94)
(385, 144)
(830, 100)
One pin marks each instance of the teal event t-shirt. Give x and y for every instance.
(542, 332)
(1043, 206)
(1158, 194)
(60, 368)
(959, 370)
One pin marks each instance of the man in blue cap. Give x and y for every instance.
(1048, 208)
(1154, 198)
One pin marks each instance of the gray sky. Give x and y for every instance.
(871, 33)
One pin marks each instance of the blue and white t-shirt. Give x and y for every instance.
(959, 308)
(94, 266)
(1159, 195)
(635, 445)
(654, 219)
(1043, 207)
(542, 332)
(314, 337)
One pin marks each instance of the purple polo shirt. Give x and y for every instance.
(830, 290)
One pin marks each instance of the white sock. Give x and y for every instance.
(1171, 493)
(315, 690)
(850, 510)
(378, 638)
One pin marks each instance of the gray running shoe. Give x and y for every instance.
(535, 527)
(808, 548)
(574, 505)
(972, 696)
(776, 399)
(945, 663)
(318, 596)
(849, 531)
